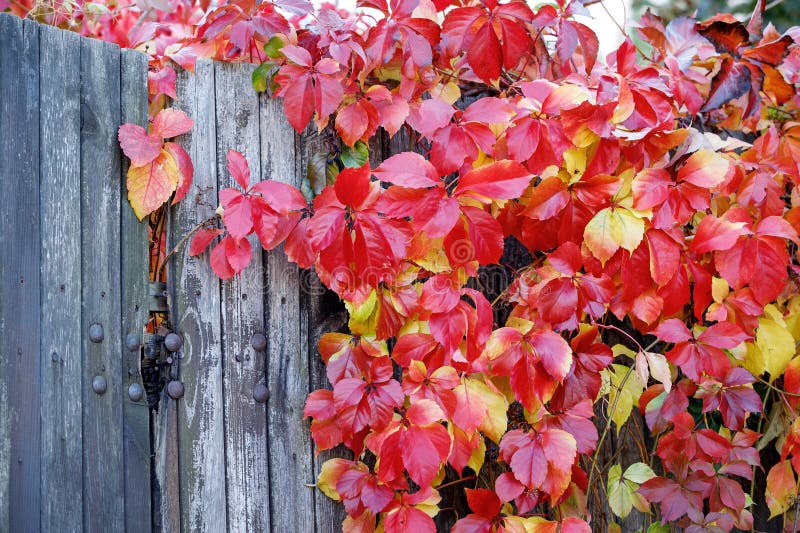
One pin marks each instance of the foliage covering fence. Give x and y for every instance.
(627, 208)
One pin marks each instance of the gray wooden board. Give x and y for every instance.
(247, 471)
(290, 447)
(60, 171)
(19, 314)
(166, 490)
(103, 494)
(135, 267)
(196, 313)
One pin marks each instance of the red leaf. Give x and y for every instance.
(483, 502)
(554, 352)
(162, 81)
(353, 186)
(484, 53)
(500, 180)
(202, 239)
(715, 234)
(732, 81)
(185, 169)
(219, 262)
(238, 252)
(672, 330)
(140, 147)
(281, 197)
(238, 214)
(352, 122)
(171, 122)
(239, 169)
(406, 519)
(725, 36)
(485, 235)
(298, 99)
(408, 169)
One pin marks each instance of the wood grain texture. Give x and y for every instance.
(21, 299)
(60, 171)
(103, 494)
(135, 267)
(166, 489)
(195, 308)
(291, 458)
(246, 452)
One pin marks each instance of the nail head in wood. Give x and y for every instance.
(99, 385)
(175, 390)
(96, 333)
(132, 342)
(173, 342)
(258, 342)
(260, 393)
(135, 392)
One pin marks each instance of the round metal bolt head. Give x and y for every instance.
(173, 342)
(175, 390)
(132, 342)
(258, 342)
(135, 392)
(96, 333)
(99, 385)
(260, 393)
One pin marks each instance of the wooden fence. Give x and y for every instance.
(74, 262)
(76, 452)
(224, 459)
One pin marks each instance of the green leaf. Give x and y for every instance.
(262, 76)
(639, 473)
(356, 156)
(620, 495)
(658, 527)
(315, 175)
(273, 47)
(622, 488)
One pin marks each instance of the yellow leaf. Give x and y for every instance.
(329, 474)
(623, 394)
(150, 185)
(478, 456)
(574, 163)
(776, 346)
(495, 423)
(793, 318)
(612, 228)
(449, 92)
(719, 289)
(363, 317)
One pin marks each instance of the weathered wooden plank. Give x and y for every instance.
(196, 315)
(242, 315)
(291, 456)
(103, 487)
(135, 266)
(323, 312)
(60, 170)
(19, 311)
(166, 490)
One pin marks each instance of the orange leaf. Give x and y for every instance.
(150, 185)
